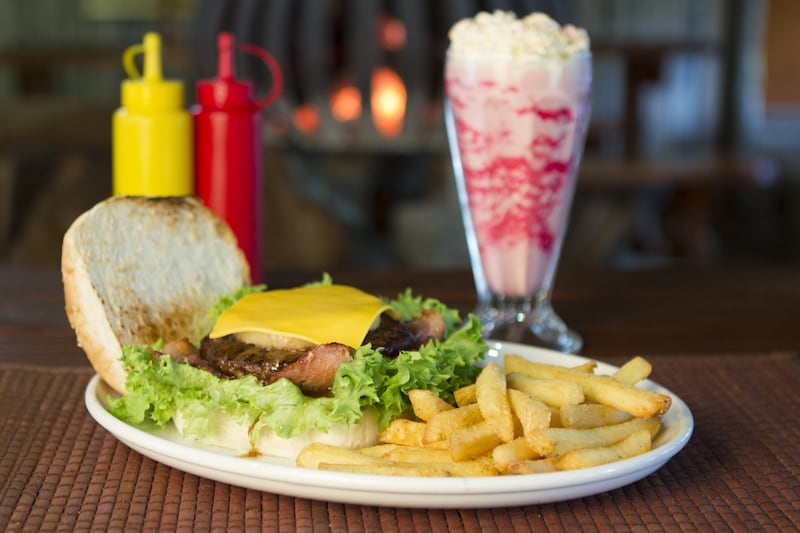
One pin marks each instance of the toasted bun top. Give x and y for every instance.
(137, 269)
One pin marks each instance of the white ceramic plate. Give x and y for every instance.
(282, 477)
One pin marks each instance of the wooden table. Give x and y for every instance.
(726, 341)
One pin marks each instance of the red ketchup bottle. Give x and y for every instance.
(228, 147)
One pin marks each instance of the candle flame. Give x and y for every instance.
(306, 119)
(346, 103)
(388, 101)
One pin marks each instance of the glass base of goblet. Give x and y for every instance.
(514, 319)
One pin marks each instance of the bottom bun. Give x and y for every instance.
(235, 435)
(365, 433)
(224, 431)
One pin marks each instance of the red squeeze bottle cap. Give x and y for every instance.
(226, 92)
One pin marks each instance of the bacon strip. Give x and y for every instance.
(313, 369)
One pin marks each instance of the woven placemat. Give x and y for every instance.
(59, 470)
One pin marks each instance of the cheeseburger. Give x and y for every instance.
(159, 296)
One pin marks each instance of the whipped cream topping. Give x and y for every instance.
(502, 32)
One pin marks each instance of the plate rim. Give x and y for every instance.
(435, 490)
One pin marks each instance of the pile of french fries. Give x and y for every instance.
(526, 418)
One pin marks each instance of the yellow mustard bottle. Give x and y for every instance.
(152, 135)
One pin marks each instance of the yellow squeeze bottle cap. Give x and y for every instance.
(150, 91)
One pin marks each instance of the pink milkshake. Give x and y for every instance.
(518, 99)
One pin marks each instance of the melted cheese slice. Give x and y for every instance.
(316, 315)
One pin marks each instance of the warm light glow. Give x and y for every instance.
(388, 102)
(391, 33)
(346, 103)
(306, 119)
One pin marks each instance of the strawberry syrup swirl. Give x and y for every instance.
(513, 197)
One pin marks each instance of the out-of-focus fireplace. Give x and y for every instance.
(359, 124)
(359, 74)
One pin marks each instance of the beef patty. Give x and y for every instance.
(311, 369)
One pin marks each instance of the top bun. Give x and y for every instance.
(139, 269)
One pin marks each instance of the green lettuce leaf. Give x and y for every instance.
(407, 305)
(225, 302)
(158, 387)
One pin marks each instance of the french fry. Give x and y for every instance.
(564, 440)
(390, 469)
(379, 450)
(641, 403)
(403, 431)
(518, 431)
(588, 366)
(445, 423)
(574, 419)
(482, 466)
(531, 412)
(634, 371)
(635, 444)
(443, 444)
(465, 395)
(412, 454)
(537, 466)
(478, 467)
(590, 415)
(555, 417)
(492, 396)
(555, 392)
(315, 454)
(509, 453)
(541, 443)
(425, 403)
(473, 442)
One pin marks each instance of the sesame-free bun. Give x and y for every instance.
(364, 433)
(136, 270)
(139, 269)
(241, 436)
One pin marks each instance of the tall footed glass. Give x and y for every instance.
(516, 128)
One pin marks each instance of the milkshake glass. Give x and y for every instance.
(516, 123)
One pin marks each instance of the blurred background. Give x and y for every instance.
(693, 152)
